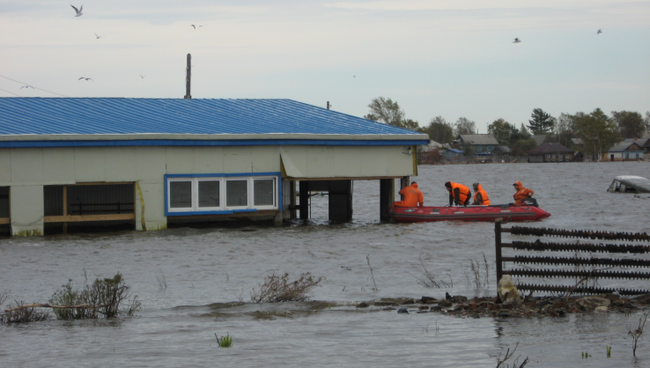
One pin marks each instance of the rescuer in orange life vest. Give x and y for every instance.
(412, 196)
(458, 193)
(480, 195)
(522, 193)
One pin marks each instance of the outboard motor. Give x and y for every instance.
(529, 202)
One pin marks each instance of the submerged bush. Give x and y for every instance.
(22, 313)
(104, 297)
(279, 289)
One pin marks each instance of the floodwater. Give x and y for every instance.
(195, 283)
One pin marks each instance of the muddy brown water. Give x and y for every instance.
(194, 283)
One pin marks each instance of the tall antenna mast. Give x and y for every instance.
(188, 77)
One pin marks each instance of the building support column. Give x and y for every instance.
(386, 198)
(303, 206)
(340, 200)
(27, 203)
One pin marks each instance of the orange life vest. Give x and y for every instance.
(522, 193)
(485, 201)
(464, 192)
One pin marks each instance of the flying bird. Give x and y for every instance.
(141, 76)
(27, 86)
(78, 10)
(98, 36)
(193, 26)
(599, 31)
(517, 40)
(86, 78)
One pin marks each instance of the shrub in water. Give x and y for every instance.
(279, 289)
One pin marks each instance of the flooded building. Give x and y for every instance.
(150, 163)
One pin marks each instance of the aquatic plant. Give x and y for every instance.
(639, 331)
(372, 274)
(280, 289)
(609, 351)
(508, 356)
(585, 355)
(427, 278)
(224, 341)
(475, 267)
(162, 281)
(103, 297)
(21, 313)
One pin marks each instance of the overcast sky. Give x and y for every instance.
(449, 58)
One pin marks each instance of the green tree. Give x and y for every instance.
(598, 132)
(524, 133)
(387, 111)
(630, 124)
(541, 122)
(440, 130)
(464, 126)
(502, 131)
(412, 125)
(522, 147)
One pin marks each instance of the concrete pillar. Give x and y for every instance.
(304, 200)
(27, 210)
(340, 200)
(386, 198)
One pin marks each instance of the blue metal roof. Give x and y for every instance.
(86, 120)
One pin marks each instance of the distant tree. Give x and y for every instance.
(386, 111)
(468, 150)
(646, 121)
(464, 126)
(541, 122)
(524, 133)
(412, 125)
(563, 130)
(502, 131)
(597, 131)
(630, 124)
(522, 147)
(440, 130)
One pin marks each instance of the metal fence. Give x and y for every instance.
(578, 264)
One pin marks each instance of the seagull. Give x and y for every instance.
(141, 76)
(193, 26)
(27, 86)
(78, 10)
(86, 78)
(98, 36)
(517, 40)
(599, 31)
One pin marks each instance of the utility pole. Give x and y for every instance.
(188, 78)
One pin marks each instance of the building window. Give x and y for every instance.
(202, 194)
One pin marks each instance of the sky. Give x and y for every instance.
(434, 58)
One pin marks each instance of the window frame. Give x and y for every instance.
(223, 208)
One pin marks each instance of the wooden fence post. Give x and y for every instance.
(497, 246)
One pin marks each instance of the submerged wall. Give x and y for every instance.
(27, 170)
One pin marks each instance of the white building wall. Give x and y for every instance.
(27, 170)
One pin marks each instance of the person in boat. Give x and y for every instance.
(458, 194)
(522, 193)
(480, 195)
(412, 196)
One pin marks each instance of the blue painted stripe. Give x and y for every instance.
(217, 143)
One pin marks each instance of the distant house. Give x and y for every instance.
(539, 138)
(550, 152)
(500, 151)
(629, 149)
(452, 154)
(482, 144)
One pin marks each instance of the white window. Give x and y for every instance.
(220, 194)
